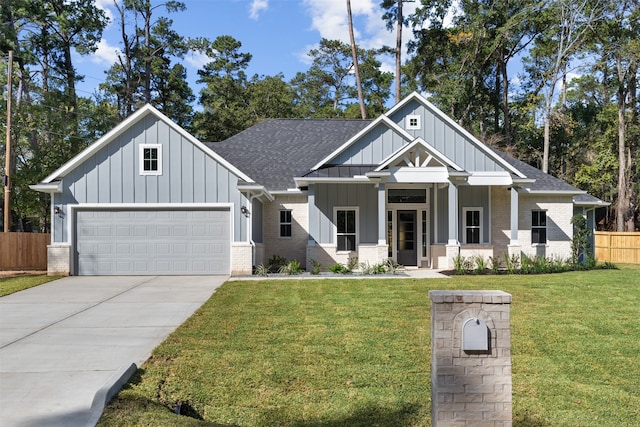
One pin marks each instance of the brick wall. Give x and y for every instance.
(559, 228)
(58, 260)
(294, 247)
(241, 259)
(470, 387)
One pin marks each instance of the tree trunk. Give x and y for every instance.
(354, 53)
(399, 52)
(622, 205)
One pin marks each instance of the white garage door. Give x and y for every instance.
(152, 242)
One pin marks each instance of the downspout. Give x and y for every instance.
(250, 234)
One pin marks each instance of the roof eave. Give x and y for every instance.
(48, 187)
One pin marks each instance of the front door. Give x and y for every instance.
(407, 238)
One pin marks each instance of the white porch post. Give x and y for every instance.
(453, 244)
(382, 248)
(313, 223)
(514, 247)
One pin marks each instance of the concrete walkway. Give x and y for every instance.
(68, 345)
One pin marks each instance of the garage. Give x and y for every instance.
(152, 242)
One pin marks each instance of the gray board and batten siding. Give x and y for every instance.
(328, 196)
(110, 180)
(445, 138)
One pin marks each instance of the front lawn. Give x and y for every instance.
(357, 352)
(9, 285)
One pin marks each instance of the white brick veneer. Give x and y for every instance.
(559, 228)
(294, 247)
(59, 260)
(241, 258)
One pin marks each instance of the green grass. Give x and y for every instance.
(356, 353)
(9, 285)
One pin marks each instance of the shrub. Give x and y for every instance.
(339, 269)
(315, 266)
(458, 264)
(291, 268)
(261, 270)
(391, 266)
(580, 247)
(353, 263)
(495, 265)
(481, 264)
(511, 263)
(276, 262)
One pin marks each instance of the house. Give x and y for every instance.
(411, 185)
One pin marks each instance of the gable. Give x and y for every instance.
(450, 140)
(111, 169)
(112, 173)
(379, 142)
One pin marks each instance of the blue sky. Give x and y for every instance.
(278, 33)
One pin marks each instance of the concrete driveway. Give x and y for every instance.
(68, 345)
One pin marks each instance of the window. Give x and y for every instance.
(412, 122)
(150, 159)
(472, 225)
(538, 227)
(346, 229)
(285, 223)
(401, 195)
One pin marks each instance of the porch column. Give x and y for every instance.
(453, 215)
(382, 216)
(382, 249)
(312, 214)
(453, 245)
(514, 247)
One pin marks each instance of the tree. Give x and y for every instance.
(354, 56)
(224, 98)
(393, 16)
(327, 89)
(144, 72)
(568, 23)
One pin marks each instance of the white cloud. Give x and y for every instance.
(329, 19)
(257, 6)
(106, 6)
(105, 54)
(197, 59)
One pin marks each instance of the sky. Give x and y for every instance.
(277, 33)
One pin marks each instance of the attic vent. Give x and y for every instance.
(412, 122)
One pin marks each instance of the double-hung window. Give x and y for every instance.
(150, 159)
(346, 220)
(538, 227)
(285, 223)
(472, 225)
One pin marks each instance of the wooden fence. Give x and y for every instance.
(617, 247)
(23, 251)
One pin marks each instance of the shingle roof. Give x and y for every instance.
(275, 151)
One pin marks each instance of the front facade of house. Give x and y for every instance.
(411, 185)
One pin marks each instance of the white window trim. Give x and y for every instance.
(335, 225)
(464, 224)
(280, 223)
(408, 120)
(546, 228)
(141, 149)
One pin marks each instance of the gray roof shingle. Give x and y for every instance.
(275, 151)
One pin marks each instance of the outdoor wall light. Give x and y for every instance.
(58, 211)
(245, 211)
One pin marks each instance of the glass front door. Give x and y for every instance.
(407, 238)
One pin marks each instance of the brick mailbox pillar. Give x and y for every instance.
(470, 358)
